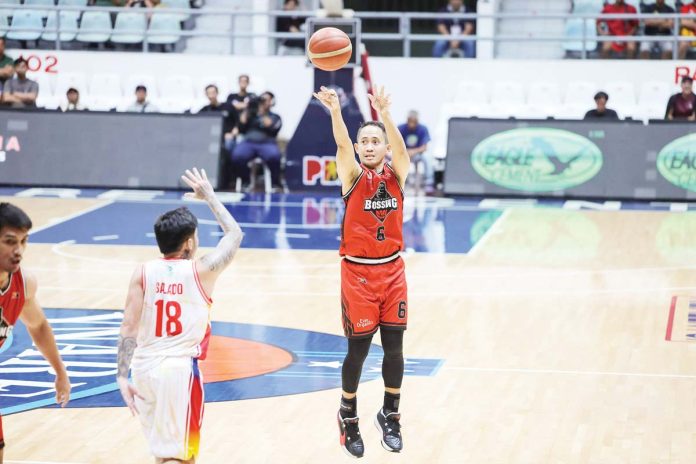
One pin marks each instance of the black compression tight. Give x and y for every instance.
(392, 366)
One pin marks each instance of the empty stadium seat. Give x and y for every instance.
(72, 2)
(622, 97)
(173, 105)
(4, 22)
(68, 26)
(167, 28)
(580, 93)
(26, 25)
(66, 80)
(10, 2)
(129, 28)
(181, 4)
(574, 34)
(43, 13)
(177, 87)
(587, 6)
(471, 92)
(543, 99)
(105, 85)
(95, 27)
(654, 93)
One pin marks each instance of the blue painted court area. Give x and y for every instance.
(303, 223)
(294, 221)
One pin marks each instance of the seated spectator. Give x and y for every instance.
(682, 105)
(658, 27)
(20, 92)
(455, 27)
(240, 100)
(72, 102)
(6, 64)
(688, 28)
(143, 3)
(601, 112)
(618, 27)
(416, 136)
(291, 24)
(109, 3)
(260, 127)
(141, 104)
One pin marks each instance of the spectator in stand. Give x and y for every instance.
(416, 136)
(6, 64)
(143, 3)
(72, 102)
(229, 132)
(688, 28)
(141, 104)
(109, 3)
(291, 24)
(460, 27)
(682, 105)
(601, 111)
(618, 27)
(240, 100)
(260, 128)
(20, 92)
(657, 27)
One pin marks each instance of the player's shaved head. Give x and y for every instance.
(173, 228)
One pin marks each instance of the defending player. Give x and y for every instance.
(373, 282)
(18, 299)
(166, 327)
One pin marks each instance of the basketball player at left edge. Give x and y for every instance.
(18, 299)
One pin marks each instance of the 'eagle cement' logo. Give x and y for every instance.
(381, 204)
(677, 162)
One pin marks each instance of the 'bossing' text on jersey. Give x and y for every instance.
(372, 224)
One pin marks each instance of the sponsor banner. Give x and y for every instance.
(571, 159)
(105, 149)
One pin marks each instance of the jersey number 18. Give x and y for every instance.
(171, 310)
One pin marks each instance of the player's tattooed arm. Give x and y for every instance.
(229, 244)
(126, 348)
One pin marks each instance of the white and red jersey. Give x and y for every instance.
(12, 299)
(176, 311)
(373, 221)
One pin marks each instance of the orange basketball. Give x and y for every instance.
(329, 49)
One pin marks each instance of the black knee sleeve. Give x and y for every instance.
(352, 365)
(393, 364)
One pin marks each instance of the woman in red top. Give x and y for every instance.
(373, 282)
(618, 27)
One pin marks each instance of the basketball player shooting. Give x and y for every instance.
(18, 299)
(373, 281)
(166, 326)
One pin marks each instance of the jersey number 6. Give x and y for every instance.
(380, 234)
(172, 311)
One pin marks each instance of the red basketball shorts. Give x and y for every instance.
(373, 295)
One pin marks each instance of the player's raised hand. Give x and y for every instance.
(198, 181)
(128, 392)
(380, 101)
(328, 97)
(62, 390)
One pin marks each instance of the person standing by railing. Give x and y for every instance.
(657, 27)
(618, 27)
(688, 28)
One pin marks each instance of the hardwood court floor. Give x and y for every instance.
(552, 329)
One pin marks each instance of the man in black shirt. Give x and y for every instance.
(657, 27)
(260, 127)
(601, 112)
(290, 24)
(240, 100)
(229, 130)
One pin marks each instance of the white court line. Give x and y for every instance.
(490, 293)
(487, 235)
(60, 220)
(566, 372)
(99, 238)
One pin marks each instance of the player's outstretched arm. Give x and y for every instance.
(347, 167)
(40, 331)
(401, 162)
(128, 336)
(211, 265)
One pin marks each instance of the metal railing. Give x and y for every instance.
(403, 19)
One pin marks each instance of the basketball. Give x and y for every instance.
(329, 49)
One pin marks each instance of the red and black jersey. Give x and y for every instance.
(11, 303)
(372, 224)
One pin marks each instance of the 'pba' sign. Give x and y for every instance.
(319, 170)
